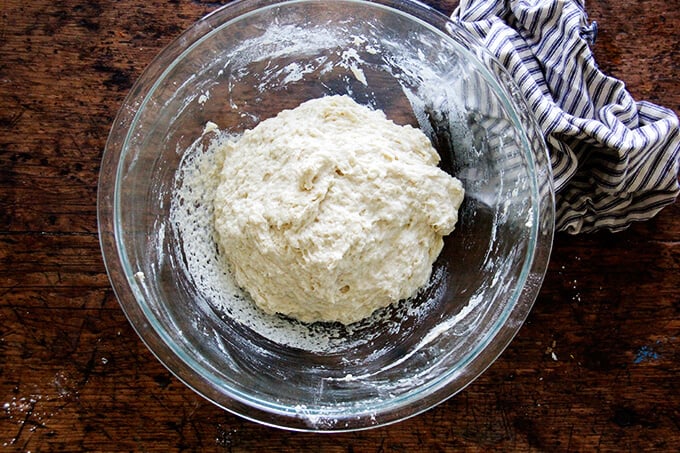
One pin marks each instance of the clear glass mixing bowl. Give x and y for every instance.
(246, 62)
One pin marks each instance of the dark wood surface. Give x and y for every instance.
(596, 367)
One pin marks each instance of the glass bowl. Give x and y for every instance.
(244, 63)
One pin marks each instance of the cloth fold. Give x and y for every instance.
(615, 160)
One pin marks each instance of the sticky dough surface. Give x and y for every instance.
(330, 211)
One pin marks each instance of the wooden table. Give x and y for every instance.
(596, 367)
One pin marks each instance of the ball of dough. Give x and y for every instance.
(330, 211)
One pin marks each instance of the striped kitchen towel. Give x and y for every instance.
(615, 161)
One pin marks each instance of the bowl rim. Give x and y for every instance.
(124, 281)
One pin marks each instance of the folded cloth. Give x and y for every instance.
(615, 161)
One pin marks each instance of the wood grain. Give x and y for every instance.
(595, 368)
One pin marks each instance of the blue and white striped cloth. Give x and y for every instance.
(615, 161)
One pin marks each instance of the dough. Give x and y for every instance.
(330, 211)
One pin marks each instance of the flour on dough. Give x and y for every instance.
(330, 211)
